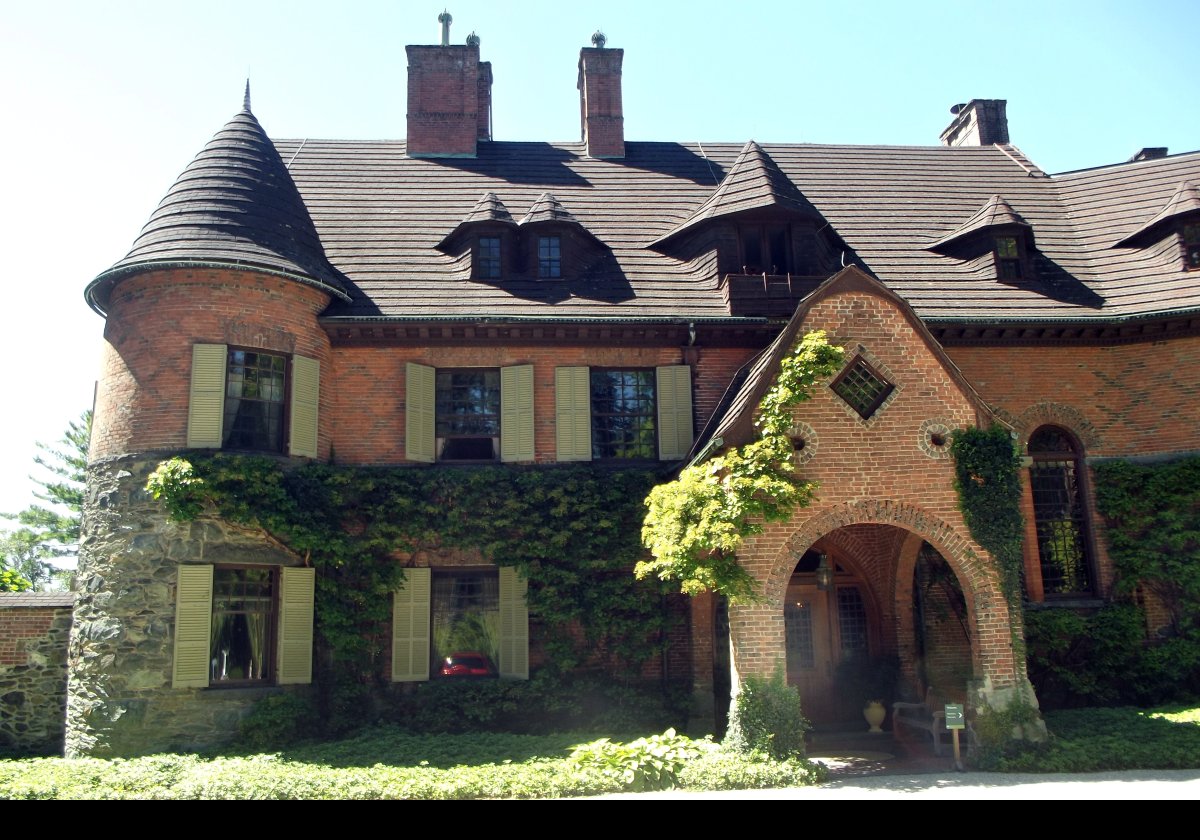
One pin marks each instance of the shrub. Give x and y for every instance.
(1103, 659)
(652, 763)
(279, 720)
(766, 717)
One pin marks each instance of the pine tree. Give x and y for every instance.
(52, 529)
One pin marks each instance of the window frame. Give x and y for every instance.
(651, 416)
(488, 267)
(549, 267)
(441, 441)
(764, 231)
(271, 642)
(285, 403)
(442, 573)
(1076, 486)
(873, 407)
(1010, 266)
(1189, 244)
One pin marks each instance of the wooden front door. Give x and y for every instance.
(811, 662)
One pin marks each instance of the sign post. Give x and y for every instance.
(956, 720)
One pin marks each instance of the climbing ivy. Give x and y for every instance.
(695, 524)
(571, 531)
(987, 478)
(1152, 514)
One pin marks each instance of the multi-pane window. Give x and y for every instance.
(623, 414)
(243, 624)
(465, 615)
(765, 249)
(468, 414)
(1059, 513)
(549, 256)
(798, 635)
(1008, 258)
(852, 619)
(255, 394)
(487, 264)
(862, 388)
(1191, 245)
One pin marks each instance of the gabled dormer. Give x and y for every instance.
(554, 245)
(1179, 218)
(995, 234)
(485, 242)
(772, 245)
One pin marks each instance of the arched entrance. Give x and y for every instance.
(832, 636)
(876, 543)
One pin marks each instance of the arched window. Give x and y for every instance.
(1064, 542)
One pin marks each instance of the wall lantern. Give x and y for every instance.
(824, 573)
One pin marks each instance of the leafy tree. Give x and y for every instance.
(51, 529)
(23, 558)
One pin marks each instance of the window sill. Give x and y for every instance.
(1070, 602)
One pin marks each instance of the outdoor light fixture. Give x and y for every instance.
(824, 574)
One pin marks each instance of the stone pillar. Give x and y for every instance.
(703, 718)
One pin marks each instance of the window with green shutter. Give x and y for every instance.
(253, 400)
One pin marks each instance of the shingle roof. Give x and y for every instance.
(235, 205)
(381, 216)
(1186, 199)
(13, 600)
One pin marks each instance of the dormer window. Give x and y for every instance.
(487, 258)
(1009, 258)
(1191, 245)
(549, 257)
(765, 249)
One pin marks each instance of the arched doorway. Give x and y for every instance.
(832, 638)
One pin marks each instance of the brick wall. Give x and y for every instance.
(34, 629)
(368, 387)
(1118, 401)
(153, 321)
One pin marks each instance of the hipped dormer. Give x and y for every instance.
(995, 232)
(773, 245)
(1179, 217)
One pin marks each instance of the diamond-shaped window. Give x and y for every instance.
(862, 388)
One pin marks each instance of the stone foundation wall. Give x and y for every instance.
(33, 671)
(120, 700)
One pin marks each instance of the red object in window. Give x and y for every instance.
(468, 664)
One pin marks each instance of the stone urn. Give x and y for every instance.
(875, 713)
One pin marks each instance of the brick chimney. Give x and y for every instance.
(981, 122)
(449, 97)
(601, 117)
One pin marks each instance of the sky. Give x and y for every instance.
(108, 102)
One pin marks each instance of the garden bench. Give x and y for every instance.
(928, 715)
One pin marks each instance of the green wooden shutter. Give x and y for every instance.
(514, 625)
(193, 626)
(297, 590)
(206, 404)
(419, 412)
(573, 413)
(410, 627)
(306, 392)
(674, 411)
(516, 413)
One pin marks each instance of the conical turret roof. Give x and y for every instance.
(235, 206)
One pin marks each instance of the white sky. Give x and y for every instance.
(106, 103)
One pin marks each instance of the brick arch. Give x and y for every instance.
(992, 653)
(1057, 414)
